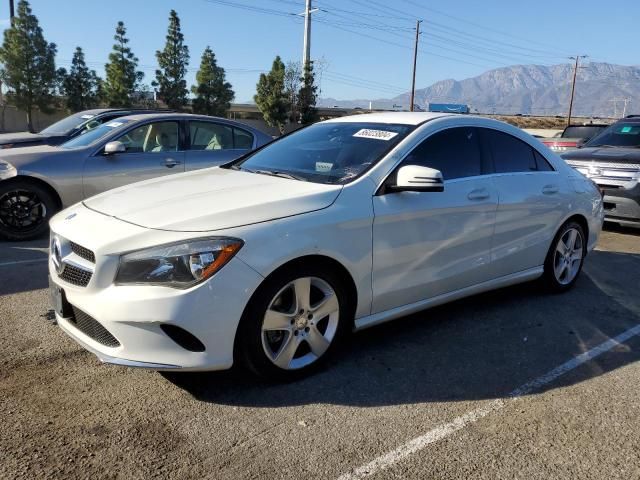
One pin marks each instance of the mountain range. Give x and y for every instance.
(601, 90)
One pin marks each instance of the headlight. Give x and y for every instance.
(177, 265)
(7, 170)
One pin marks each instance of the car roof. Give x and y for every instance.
(402, 118)
(100, 111)
(188, 116)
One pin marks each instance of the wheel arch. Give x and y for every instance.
(583, 222)
(311, 259)
(41, 183)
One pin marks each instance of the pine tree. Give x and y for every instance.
(307, 96)
(271, 97)
(28, 68)
(122, 78)
(80, 86)
(173, 61)
(213, 93)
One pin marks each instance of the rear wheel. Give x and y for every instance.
(294, 323)
(25, 210)
(565, 258)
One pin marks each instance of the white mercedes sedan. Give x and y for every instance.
(271, 260)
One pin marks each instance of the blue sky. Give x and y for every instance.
(366, 44)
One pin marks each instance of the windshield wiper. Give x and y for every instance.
(275, 173)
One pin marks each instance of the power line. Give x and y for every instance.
(477, 25)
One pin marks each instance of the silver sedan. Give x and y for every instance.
(36, 182)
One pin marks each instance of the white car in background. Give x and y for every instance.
(271, 260)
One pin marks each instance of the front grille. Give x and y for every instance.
(83, 252)
(75, 276)
(92, 328)
(603, 165)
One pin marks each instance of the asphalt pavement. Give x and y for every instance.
(515, 383)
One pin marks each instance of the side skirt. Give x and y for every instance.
(507, 280)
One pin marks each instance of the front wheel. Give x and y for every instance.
(565, 257)
(25, 210)
(294, 323)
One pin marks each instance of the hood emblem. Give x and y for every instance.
(69, 217)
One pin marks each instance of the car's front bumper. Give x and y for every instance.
(133, 315)
(622, 205)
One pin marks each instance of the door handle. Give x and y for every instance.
(170, 163)
(478, 194)
(550, 189)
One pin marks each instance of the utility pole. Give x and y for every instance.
(306, 46)
(573, 85)
(626, 102)
(415, 61)
(11, 11)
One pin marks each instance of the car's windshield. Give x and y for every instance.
(327, 152)
(618, 135)
(93, 135)
(581, 131)
(68, 124)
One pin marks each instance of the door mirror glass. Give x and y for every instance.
(415, 178)
(114, 147)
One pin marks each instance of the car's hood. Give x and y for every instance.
(212, 199)
(23, 157)
(606, 154)
(19, 137)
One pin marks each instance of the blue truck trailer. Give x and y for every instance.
(448, 108)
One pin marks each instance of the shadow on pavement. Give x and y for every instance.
(617, 228)
(482, 347)
(23, 266)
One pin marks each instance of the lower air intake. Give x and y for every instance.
(183, 338)
(93, 329)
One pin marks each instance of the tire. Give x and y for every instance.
(565, 258)
(25, 210)
(279, 337)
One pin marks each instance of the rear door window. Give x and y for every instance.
(510, 154)
(242, 139)
(210, 136)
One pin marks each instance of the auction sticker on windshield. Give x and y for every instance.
(114, 124)
(377, 134)
(323, 166)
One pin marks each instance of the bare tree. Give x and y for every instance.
(292, 75)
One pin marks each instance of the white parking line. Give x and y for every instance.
(443, 431)
(18, 262)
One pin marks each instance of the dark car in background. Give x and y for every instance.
(69, 127)
(612, 160)
(574, 136)
(36, 182)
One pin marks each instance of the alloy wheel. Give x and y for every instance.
(21, 210)
(300, 323)
(568, 256)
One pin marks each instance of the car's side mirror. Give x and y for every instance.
(415, 178)
(112, 148)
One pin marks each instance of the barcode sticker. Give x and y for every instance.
(377, 134)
